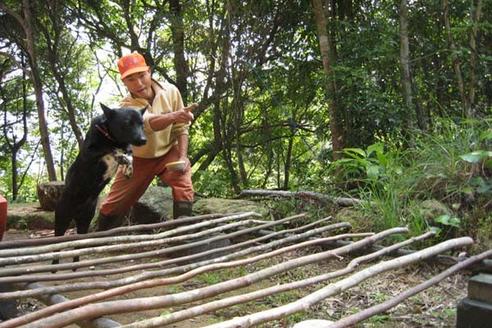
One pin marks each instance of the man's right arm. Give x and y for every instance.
(162, 121)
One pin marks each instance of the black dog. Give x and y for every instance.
(106, 145)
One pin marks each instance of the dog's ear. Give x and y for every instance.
(107, 111)
(142, 110)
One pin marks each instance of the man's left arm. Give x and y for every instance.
(183, 147)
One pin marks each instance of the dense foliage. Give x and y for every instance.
(265, 118)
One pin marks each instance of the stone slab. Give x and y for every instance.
(480, 287)
(473, 314)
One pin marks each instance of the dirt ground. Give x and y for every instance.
(435, 307)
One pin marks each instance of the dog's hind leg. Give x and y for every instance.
(83, 222)
(62, 221)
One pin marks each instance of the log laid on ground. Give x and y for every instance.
(335, 288)
(165, 272)
(306, 195)
(169, 318)
(146, 275)
(141, 227)
(121, 247)
(127, 257)
(15, 278)
(138, 304)
(57, 299)
(385, 306)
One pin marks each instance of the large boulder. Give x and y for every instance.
(28, 216)
(221, 205)
(155, 205)
(430, 209)
(49, 193)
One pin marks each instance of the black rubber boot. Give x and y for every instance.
(106, 222)
(182, 208)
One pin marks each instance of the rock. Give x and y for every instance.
(221, 205)
(49, 193)
(155, 205)
(28, 216)
(356, 218)
(431, 209)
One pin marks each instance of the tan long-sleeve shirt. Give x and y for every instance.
(167, 99)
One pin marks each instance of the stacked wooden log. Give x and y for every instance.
(125, 260)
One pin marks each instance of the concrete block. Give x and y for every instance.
(474, 314)
(480, 288)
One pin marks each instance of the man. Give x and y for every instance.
(166, 123)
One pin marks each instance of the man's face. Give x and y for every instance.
(140, 85)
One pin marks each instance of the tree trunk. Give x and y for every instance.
(476, 13)
(180, 64)
(288, 163)
(38, 89)
(327, 54)
(404, 60)
(406, 74)
(456, 61)
(53, 38)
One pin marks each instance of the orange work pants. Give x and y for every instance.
(125, 192)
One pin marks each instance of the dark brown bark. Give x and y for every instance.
(326, 47)
(15, 145)
(288, 163)
(66, 99)
(475, 19)
(38, 89)
(178, 35)
(456, 61)
(28, 45)
(406, 74)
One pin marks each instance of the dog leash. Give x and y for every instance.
(104, 131)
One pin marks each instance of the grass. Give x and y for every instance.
(394, 183)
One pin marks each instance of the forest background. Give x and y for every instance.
(387, 101)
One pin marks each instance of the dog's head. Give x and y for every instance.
(125, 125)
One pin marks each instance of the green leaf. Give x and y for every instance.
(486, 135)
(377, 147)
(448, 220)
(476, 156)
(355, 151)
(372, 171)
(436, 230)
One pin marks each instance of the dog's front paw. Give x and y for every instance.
(125, 161)
(127, 170)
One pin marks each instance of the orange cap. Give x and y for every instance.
(132, 63)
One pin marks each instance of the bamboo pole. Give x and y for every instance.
(146, 303)
(154, 253)
(118, 247)
(57, 298)
(169, 318)
(161, 273)
(134, 228)
(152, 265)
(16, 255)
(158, 282)
(122, 239)
(386, 305)
(335, 288)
